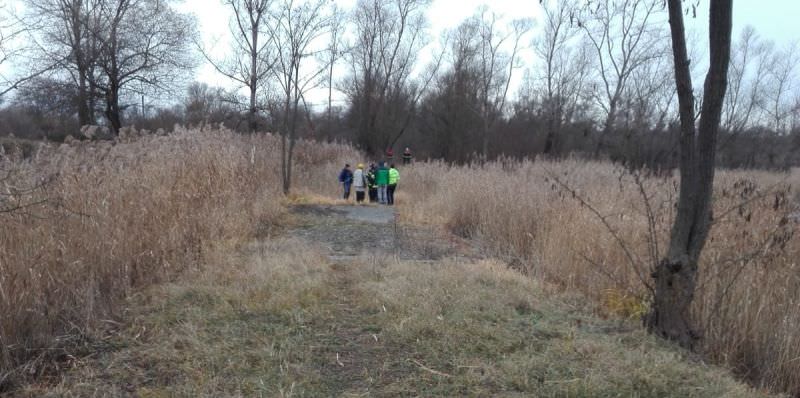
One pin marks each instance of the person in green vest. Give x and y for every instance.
(394, 178)
(382, 180)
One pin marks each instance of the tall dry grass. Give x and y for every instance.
(86, 224)
(588, 227)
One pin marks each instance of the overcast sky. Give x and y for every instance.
(777, 22)
(212, 17)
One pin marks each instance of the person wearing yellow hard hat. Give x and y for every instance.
(359, 183)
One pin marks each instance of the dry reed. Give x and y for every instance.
(87, 223)
(587, 226)
(93, 222)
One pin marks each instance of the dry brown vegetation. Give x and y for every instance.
(284, 321)
(587, 227)
(96, 235)
(84, 225)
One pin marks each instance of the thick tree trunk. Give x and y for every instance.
(83, 100)
(92, 101)
(550, 139)
(676, 275)
(485, 137)
(252, 113)
(79, 57)
(285, 167)
(608, 128)
(113, 113)
(287, 183)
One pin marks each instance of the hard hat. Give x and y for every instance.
(361, 165)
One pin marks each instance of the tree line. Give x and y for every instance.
(591, 79)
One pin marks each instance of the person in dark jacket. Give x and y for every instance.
(372, 185)
(346, 178)
(407, 156)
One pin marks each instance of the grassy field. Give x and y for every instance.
(166, 266)
(285, 321)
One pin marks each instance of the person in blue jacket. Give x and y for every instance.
(346, 178)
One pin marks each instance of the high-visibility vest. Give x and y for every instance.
(394, 176)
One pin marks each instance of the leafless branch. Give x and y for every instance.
(633, 259)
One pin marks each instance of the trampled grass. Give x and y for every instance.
(284, 321)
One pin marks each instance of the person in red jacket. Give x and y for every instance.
(389, 154)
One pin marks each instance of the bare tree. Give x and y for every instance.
(448, 110)
(647, 102)
(496, 52)
(469, 97)
(566, 65)
(780, 78)
(252, 52)
(208, 105)
(7, 33)
(294, 28)
(63, 31)
(10, 30)
(750, 59)
(332, 54)
(389, 34)
(624, 36)
(144, 45)
(676, 275)
(795, 117)
(111, 48)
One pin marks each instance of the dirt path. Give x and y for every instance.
(348, 232)
(356, 361)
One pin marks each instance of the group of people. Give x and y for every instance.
(406, 155)
(380, 182)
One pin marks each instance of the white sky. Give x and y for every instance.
(212, 17)
(777, 22)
